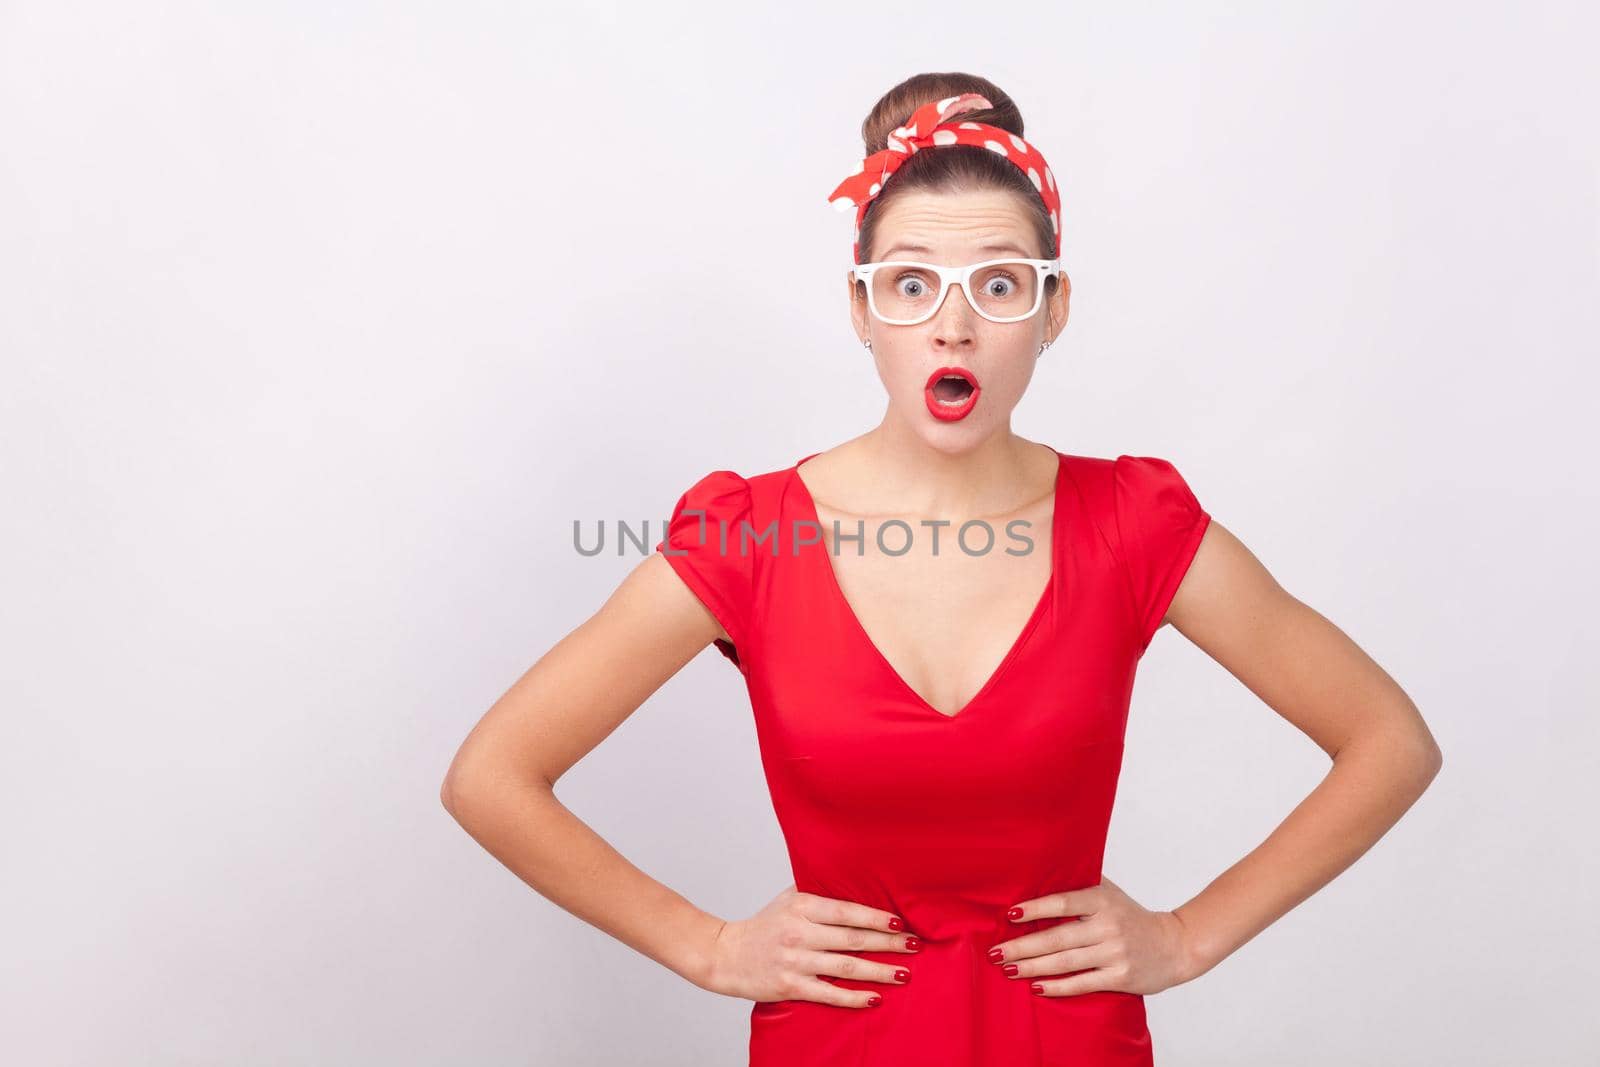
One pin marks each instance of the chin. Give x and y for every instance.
(951, 437)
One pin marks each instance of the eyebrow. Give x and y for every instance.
(1001, 246)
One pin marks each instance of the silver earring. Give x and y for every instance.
(868, 344)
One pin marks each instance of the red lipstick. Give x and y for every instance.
(951, 392)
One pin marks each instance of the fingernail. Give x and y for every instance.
(902, 975)
(913, 944)
(996, 955)
(1010, 969)
(895, 923)
(1014, 913)
(874, 1000)
(1037, 988)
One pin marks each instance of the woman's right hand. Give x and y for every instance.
(778, 953)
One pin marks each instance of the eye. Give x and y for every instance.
(1007, 285)
(910, 284)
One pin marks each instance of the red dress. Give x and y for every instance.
(944, 820)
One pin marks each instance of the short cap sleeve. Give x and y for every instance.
(705, 545)
(1159, 527)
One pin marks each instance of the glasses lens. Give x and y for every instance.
(1005, 290)
(904, 291)
(907, 292)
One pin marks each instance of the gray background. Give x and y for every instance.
(321, 324)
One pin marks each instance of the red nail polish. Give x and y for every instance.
(1037, 988)
(1010, 969)
(996, 955)
(902, 975)
(913, 944)
(895, 923)
(1014, 913)
(874, 1000)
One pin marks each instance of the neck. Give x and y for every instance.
(999, 474)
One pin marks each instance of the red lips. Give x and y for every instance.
(951, 392)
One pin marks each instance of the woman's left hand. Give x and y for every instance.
(1115, 944)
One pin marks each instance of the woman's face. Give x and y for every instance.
(956, 229)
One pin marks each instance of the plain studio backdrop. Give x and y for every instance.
(323, 324)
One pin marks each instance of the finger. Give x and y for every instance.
(1073, 903)
(855, 939)
(848, 913)
(1072, 985)
(1052, 939)
(828, 993)
(1058, 964)
(853, 967)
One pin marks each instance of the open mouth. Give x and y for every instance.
(951, 389)
(951, 392)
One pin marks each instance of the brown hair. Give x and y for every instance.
(949, 168)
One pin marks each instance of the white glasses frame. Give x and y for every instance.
(961, 276)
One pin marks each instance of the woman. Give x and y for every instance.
(942, 730)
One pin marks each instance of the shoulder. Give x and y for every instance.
(1122, 473)
(1152, 486)
(1151, 523)
(727, 500)
(727, 491)
(1128, 495)
(1108, 474)
(719, 491)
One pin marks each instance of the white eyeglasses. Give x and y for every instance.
(904, 293)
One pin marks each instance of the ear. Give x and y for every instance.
(1057, 307)
(858, 307)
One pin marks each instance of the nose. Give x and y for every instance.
(953, 319)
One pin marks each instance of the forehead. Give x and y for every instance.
(956, 226)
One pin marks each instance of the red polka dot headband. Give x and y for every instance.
(928, 128)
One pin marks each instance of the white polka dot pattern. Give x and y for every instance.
(905, 141)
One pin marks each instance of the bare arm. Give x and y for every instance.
(1308, 671)
(500, 786)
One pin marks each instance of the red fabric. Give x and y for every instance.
(931, 126)
(703, 536)
(945, 820)
(1159, 524)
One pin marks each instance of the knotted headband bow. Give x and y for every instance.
(927, 128)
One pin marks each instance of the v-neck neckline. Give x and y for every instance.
(995, 676)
